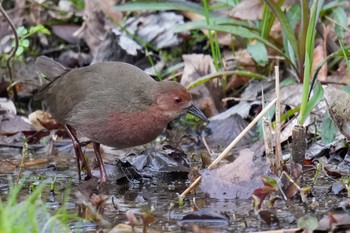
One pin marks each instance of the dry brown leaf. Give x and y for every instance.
(96, 22)
(239, 178)
(320, 53)
(66, 32)
(107, 8)
(206, 96)
(276, 32)
(332, 219)
(7, 109)
(15, 125)
(248, 10)
(42, 120)
(192, 15)
(157, 29)
(338, 107)
(224, 130)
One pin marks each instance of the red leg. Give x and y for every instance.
(78, 153)
(103, 173)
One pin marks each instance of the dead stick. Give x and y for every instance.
(232, 144)
(278, 150)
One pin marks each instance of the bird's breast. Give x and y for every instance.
(122, 130)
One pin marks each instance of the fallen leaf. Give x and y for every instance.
(269, 217)
(220, 132)
(237, 179)
(339, 111)
(248, 10)
(207, 96)
(7, 109)
(157, 29)
(43, 120)
(66, 32)
(320, 53)
(14, 125)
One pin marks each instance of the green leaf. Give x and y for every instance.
(290, 113)
(287, 82)
(314, 100)
(259, 53)
(25, 43)
(309, 50)
(286, 27)
(268, 181)
(161, 5)
(249, 34)
(39, 28)
(228, 3)
(79, 4)
(329, 129)
(267, 20)
(340, 17)
(342, 47)
(328, 6)
(21, 31)
(294, 16)
(215, 21)
(19, 51)
(308, 223)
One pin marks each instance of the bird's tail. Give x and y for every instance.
(50, 68)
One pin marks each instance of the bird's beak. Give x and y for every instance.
(196, 112)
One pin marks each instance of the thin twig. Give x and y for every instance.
(206, 145)
(228, 149)
(14, 50)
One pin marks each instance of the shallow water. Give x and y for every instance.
(159, 196)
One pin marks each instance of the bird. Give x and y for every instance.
(111, 103)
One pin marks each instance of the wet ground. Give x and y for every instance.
(158, 196)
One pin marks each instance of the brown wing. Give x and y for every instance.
(52, 70)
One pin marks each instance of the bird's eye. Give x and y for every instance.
(177, 100)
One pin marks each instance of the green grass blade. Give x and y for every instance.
(341, 18)
(210, 36)
(314, 100)
(223, 74)
(284, 24)
(267, 20)
(217, 20)
(309, 50)
(343, 50)
(303, 30)
(293, 16)
(161, 6)
(248, 34)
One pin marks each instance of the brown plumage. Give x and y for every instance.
(112, 103)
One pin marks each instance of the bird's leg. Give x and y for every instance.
(103, 173)
(78, 153)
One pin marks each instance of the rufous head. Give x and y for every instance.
(174, 99)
